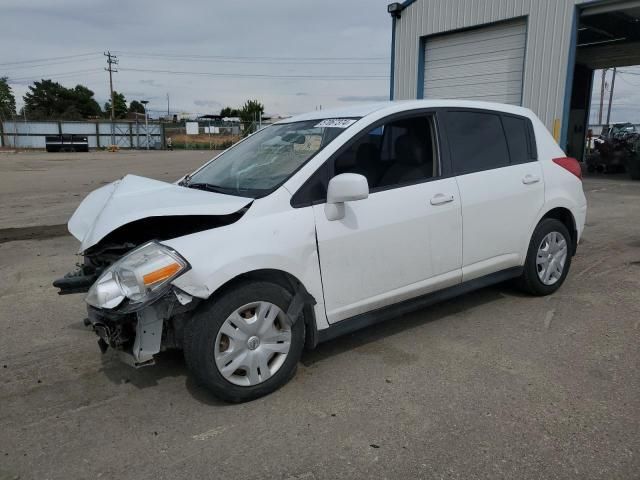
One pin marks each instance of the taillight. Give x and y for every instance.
(570, 164)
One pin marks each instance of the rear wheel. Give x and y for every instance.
(548, 258)
(241, 345)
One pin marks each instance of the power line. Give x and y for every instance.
(54, 75)
(258, 75)
(50, 58)
(617, 104)
(288, 61)
(39, 65)
(240, 57)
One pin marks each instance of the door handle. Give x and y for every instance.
(441, 199)
(529, 179)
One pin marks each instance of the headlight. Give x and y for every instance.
(139, 277)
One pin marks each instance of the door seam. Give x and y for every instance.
(324, 300)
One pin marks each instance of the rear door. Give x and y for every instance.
(501, 187)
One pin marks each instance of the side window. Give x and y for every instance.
(515, 129)
(477, 141)
(396, 153)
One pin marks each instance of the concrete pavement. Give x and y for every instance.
(494, 384)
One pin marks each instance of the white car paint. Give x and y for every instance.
(134, 198)
(493, 201)
(271, 235)
(392, 246)
(561, 188)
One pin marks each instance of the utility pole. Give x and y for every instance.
(604, 76)
(168, 114)
(613, 83)
(111, 61)
(146, 120)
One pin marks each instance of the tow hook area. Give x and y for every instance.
(148, 338)
(103, 332)
(137, 337)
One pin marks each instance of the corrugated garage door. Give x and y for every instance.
(486, 63)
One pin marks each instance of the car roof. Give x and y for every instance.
(395, 106)
(350, 111)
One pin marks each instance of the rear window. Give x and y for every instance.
(476, 140)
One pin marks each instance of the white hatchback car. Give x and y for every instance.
(320, 225)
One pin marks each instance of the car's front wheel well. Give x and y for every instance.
(287, 281)
(565, 216)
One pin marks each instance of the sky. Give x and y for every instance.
(292, 55)
(625, 106)
(312, 43)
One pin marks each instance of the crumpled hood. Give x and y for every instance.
(134, 198)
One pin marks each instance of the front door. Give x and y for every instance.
(403, 241)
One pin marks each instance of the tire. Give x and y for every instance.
(531, 281)
(207, 346)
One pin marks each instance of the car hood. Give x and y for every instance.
(135, 198)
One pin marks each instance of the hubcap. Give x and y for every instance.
(551, 257)
(252, 344)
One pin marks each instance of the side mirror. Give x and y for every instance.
(346, 187)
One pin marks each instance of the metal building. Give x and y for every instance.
(536, 53)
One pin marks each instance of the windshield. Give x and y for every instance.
(263, 161)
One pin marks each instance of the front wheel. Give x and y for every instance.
(548, 258)
(242, 345)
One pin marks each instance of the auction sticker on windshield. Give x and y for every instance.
(336, 123)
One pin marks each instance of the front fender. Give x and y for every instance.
(283, 241)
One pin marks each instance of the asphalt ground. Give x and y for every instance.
(494, 384)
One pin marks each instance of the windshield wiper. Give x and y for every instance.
(208, 187)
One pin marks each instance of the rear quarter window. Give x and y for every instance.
(519, 139)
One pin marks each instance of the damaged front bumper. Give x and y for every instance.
(138, 336)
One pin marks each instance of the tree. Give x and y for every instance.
(250, 114)
(136, 107)
(229, 112)
(47, 99)
(7, 100)
(120, 106)
(83, 101)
